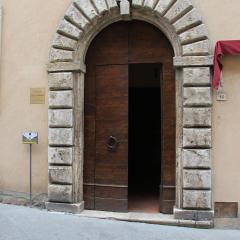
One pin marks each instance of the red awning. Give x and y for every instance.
(223, 48)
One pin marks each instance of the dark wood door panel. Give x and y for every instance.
(111, 165)
(115, 156)
(111, 108)
(147, 44)
(111, 83)
(167, 199)
(89, 196)
(111, 45)
(106, 101)
(109, 173)
(111, 198)
(111, 191)
(108, 128)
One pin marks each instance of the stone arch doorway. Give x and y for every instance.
(130, 95)
(180, 21)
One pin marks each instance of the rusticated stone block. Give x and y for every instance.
(196, 199)
(101, 6)
(194, 34)
(60, 193)
(137, 2)
(66, 66)
(197, 117)
(112, 4)
(197, 76)
(60, 156)
(197, 179)
(60, 81)
(162, 6)
(60, 55)
(196, 49)
(193, 61)
(197, 158)
(68, 29)
(87, 7)
(60, 174)
(60, 99)
(188, 21)
(63, 42)
(198, 138)
(197, 96)
(178, 9)
(75, 16)
(60, 136)
(149, 3)
(124, 7)
(60, 118)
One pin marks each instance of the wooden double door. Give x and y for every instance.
(106, 153)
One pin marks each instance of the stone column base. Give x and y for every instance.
(65, 207)
(196, 215)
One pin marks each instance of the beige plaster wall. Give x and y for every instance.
(226, 136)
(28, 28)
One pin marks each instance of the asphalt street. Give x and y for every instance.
(23, 223)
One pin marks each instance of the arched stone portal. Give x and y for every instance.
(182, 24)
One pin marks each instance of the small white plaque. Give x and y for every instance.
(30, 138)
(221, 96)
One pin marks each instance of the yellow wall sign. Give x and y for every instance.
(37, 95)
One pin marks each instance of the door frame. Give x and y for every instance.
(192, 62)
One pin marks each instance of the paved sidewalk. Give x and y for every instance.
(22, 223)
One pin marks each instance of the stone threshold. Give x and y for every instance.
(150, 218)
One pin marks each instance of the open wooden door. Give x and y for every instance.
(111, 164)
(106, 130)
(106, 121)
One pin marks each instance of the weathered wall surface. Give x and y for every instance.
(28, 29)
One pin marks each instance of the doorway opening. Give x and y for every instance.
(129, 58)
(144, 163)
